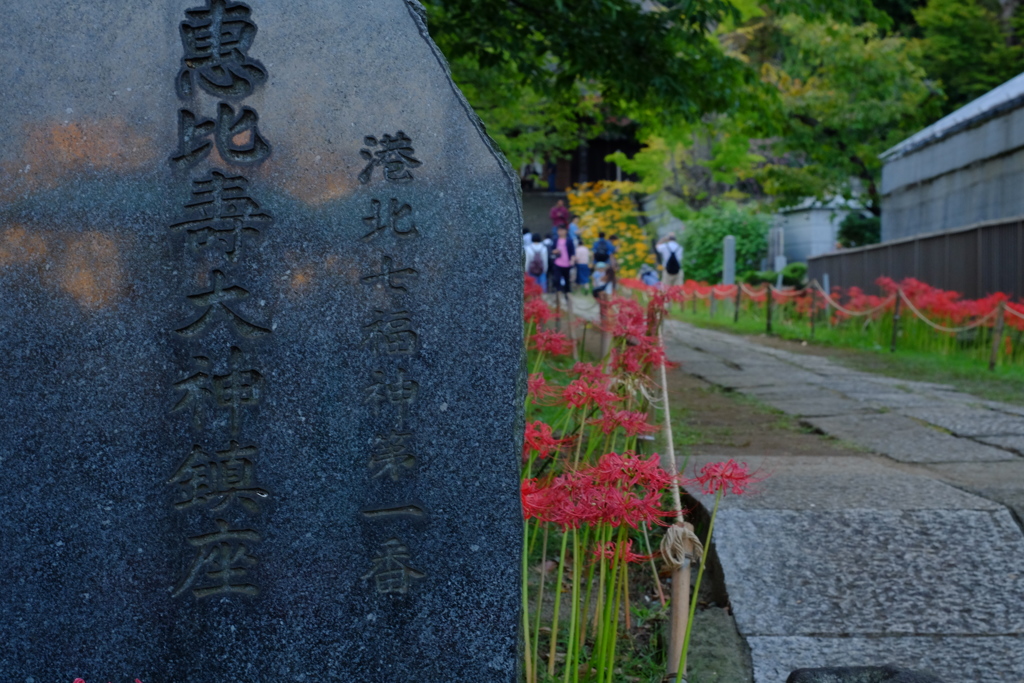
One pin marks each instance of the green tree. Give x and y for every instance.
(705, 230)
(846, 94)
(966, 46)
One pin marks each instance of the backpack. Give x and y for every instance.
(536, 266)
(672, 265)
(601, 250)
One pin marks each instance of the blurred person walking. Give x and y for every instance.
(565, 254)
(559, 215)
(537, 261)
(582, 260)
(671, 253)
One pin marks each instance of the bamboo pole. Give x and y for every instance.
(736, 307)
(768, 309)
(680, 607)
(814, 309)
(997, 336)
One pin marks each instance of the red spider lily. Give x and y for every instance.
(629, 319)
(632, 423)
(537, 387)
(610, 549)
(589, 371)
(580, 393)
(552, 343)
(538, 437)
(634, 359)
(629, 470)
(724, 476)
(538, 312)
(531, 290)
(591, 497)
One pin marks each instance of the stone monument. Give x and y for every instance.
(260, 417)
(729, 260)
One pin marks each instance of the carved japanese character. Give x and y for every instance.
(222, 563)
(402, 392)
(391, 221)
(215, 307)
(193, 139)
(241, 387)
(238, 138)
(390, 571)
(390, 455)
(216, 39)
(395, 155)
(221, 214)
(394, 278)
(390, 333)
(217, 480)
(198, 392)
(253, 151)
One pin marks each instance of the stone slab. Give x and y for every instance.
(987, 659)
(905, 440)
(1009, 443)
(998, 481)
(965, 421)
(801, 406)
(891, 399)
(872, 572)
(838, 483)
(261, 396)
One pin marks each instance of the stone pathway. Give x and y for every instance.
(911, 553)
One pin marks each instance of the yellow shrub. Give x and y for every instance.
(605, 206)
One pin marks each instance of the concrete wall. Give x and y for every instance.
(972, 176)
(809, 232)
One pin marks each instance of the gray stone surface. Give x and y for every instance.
(802, 406)
(1009, 443)
(888, 673)
(988, 659)
(322, 550)
(1002, 482)
(903, 439)
(865, 572)
(838, 483)
(966, 421)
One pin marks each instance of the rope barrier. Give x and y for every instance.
(846, 311)
(943, 328)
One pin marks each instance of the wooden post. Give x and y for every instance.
(680, 609)
(997, 336)
(693, 306)
(768, 309)
(814, 308)
(713, 302)
(896, 320)
(570, 331)
(736, 308)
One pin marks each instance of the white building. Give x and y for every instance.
(811, 228)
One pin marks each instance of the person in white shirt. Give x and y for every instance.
(537, 261)
(527, 238)
(582, 259)
(671, 253)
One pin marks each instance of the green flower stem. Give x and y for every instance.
(531, 674)
(540, 599)
(572, 650)
(558, 604)
(696, 586)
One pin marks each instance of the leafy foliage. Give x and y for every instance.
(705, 230)
(966, 48)
(856, 230)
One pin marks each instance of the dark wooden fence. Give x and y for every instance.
(974, 261)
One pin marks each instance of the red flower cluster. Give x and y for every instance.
(610, 549)
(632, 423)
(537, 387)
(552, 343)
(724, 476)
(538, 437)
(589, 371)
(531, 290)
(581, 393)
(538, 312)
(628, 319)
(619, 489)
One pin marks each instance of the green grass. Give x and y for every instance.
(921, 354)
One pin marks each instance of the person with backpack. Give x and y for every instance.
(537, 261)
(565, 256)
(602, 249)
(671, 253)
